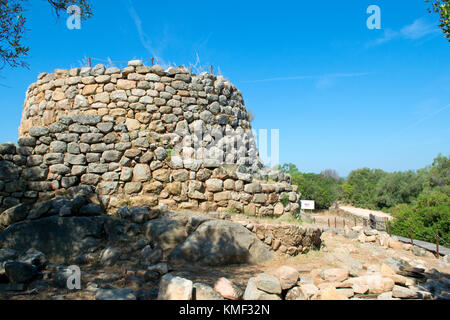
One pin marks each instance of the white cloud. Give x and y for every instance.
(420, 28)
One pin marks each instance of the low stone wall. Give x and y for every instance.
(286, 238)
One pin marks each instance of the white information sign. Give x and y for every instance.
(308, 205)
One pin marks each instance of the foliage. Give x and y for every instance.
(427, 215)
(442, 7)
(439, 173)
(322, 189)
(13, 29)
(284, 199)
(362, 187)
(396, 188)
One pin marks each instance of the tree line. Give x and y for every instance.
(416, 199)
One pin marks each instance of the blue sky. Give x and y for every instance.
(342, 96)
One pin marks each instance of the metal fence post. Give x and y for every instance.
(437, 245)
(411, 234)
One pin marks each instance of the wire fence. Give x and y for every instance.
(335, 222)
(196, 67)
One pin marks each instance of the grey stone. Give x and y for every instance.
(38, 131)
(70, 236)
(7, 148)
(161, 268)
(59, 169)
(53, 158)
(253, 293)
(151, 256)
(404, 293)
(175, 288)
(90, 138)
(39, 210)
(91, 210)
(207, 117)
(219, 242)
(27, 142)
(75, 159)
(418, 251)
(133, 187)
(205, 292)
(7, 254)
(98, 70)
(19, 272)
(34, 257)
(13, 215)
(97, 168)
(115, 294)
(109, 256)
(35, 173)
(268, 283)
(214, 185)
(58, 147)
(111, 156)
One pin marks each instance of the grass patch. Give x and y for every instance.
(284, 199)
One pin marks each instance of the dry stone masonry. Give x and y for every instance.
(141, 136)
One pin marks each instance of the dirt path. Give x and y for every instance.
(365, 212)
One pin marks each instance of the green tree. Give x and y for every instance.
(324, 190)
(396, 188)
(428, 215)
(13, 27)
(439, 172)
(363, 184)
(442, 7)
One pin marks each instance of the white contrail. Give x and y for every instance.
(327, 76)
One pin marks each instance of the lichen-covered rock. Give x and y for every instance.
(205, 292)
(253, 293)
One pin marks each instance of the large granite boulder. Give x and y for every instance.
(219, 242)
(58, 238)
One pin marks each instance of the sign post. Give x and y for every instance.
(308, 205)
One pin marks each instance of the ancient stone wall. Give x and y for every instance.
(141, 136)
(286, 238)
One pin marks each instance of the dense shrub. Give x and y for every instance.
(427, 215)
